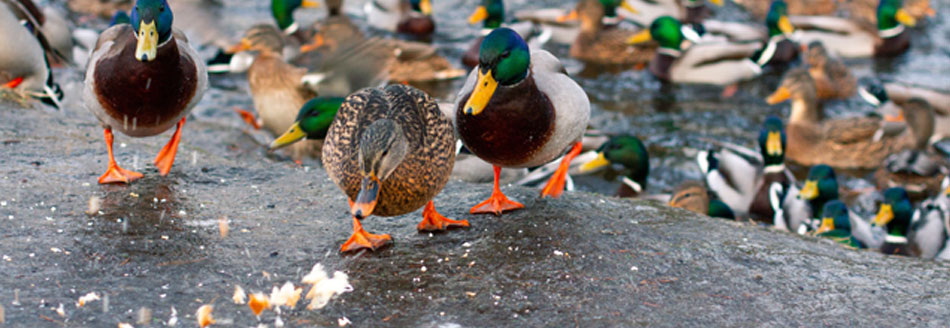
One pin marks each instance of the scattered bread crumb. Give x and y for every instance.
(240, 297)
(258, 303)
(223, 226)
(342, 322)
(204, 315)
(285, 295)
(94, 204)
(87, 298)
(125, 325)
(61, 311)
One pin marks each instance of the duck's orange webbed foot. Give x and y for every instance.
(433, 221)
(248, 117)
(116, 174)
(166, 157)
(362, 239)
(555, 186)
(498, 203)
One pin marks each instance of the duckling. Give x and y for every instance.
(413, 17)
(141, 80)
(893, 94)
(693, 196)
(390, 151)
(894, 215)
(598, 45)
(627, 155)
(795, 208)
(25, 68)
(928, 228)
(917, 170)
(518, 108)
(836, 222)
(720, 63)
(846, 143)
(833, 80)
(848, 39)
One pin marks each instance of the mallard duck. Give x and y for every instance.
(24, 68)
(864, 12)
(627, 155)
(833, 80)
(598, 45)
(283, 13)
(413, 17)
(796, 208)
(491, 13)
(562, 26)
(741, 177)
(836, 224)
(778, 49)
(718, 63)
(894, 216)
(928, 228)
(519, 109)
(892, 94)
(141, 80)
(848, 39)
(693, 196)
(843, 143)
(312, 123)
(390, 151)
(917, 170)
(760, 9)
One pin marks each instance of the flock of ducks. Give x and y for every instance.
(331, 91)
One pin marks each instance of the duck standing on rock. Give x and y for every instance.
(141, 80)
(520, 109)
(390, 150)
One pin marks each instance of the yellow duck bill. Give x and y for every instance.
(147, 47)
(484, 90)
(293, 134)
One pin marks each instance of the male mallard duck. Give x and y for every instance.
(894, 216)
(283, 13)
(885, 95)
(795, 208)
(627, 155)
(312, 123)
(778, 50)
(142, 79)
(917, 170)
(848, 39)
(929, 228)
(693, 196)
(742, 178)
(519, 109)
(491, 13)
(413, 17)
(598, 45)
(836, 224)
(864, 12)
(24, 68)
(391, 151)
(719, 63)
(833, 80)
(760, 9)
(843, 143)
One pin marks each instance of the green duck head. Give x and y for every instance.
(610, 7)
(895, 212)
(503, 58)
(777, 19)
(821, 186)
(890, 14)
(490, 12)
(421, 6)
(283, 11)
(630, 157)
(836, 224)
(152, 22)
(664, 30)
(772, 141)
(383, 146)
(719, 209)
(312, 121)
(120, 17)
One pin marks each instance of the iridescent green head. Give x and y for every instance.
(667, 32)
(821, 186)
(836, 224)
(421, 6)
(504, 59)
(313, 121)
(895, 212)
(283, 10)
(719, 209)
(890, 14)
(772, 141)
(777, 19)
(120, 17)
(490, 12)
(152, 22)
(626, 154)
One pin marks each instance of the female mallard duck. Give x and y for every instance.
(390, 151)
(693, 196)
(917, 170)
(142, 79)
(929, 227)
(413, 17)
(562, 27)
(312, 123)
(742, 178)
(833, 80)
(892, 94)
(627, 155)
(760, 9)
(24, 68)
(519, 109)
(847, 143)
(848, 39)
(718, 63)
(796, 208)
(894, 216)
(598, 45)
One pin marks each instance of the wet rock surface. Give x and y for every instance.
(582, 260)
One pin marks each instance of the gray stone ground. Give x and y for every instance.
(583, 260)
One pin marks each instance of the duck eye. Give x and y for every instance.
(505, 54)
(162, 8)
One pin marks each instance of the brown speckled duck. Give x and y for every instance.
(599, 45)
(390, 150)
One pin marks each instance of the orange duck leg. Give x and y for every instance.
(116, 174)
(362, 239)
(166, 157)
(498, 203)
(555, 186)
(433, 221)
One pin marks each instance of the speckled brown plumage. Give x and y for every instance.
(760, 8)
(426, 168)
(278, 96)
(833, 79)
(598, 45)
